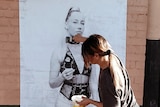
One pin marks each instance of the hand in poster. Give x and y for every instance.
(68, 73)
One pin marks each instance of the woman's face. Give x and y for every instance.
(75, 24)
(92, 59)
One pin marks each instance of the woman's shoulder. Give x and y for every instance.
(59, 52)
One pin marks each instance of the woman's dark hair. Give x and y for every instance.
(98, 44)
(95, 44)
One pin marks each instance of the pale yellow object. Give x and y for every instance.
(77, 105)
(77, 98)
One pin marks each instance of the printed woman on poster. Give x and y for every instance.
(67, 69)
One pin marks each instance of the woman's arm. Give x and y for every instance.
(87, 101)
(93, 82)
(55, 77)
(79, 38)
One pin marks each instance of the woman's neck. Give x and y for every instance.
(104, 62)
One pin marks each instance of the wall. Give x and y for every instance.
(10, 54)
(136, 43)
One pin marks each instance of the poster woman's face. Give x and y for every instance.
(75, 23)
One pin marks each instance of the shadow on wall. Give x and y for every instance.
(152, 74)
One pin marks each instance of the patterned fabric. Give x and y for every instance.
(69, 39)
(70, 88)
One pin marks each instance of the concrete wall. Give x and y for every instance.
(10, 54)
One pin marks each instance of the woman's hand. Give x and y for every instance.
(85, 101)
(68, 73)
(79, 38)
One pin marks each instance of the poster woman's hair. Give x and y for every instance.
(71, 10)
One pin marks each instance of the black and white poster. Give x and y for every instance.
(44, 26)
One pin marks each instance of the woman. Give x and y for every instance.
(67, 69)
(114, 84)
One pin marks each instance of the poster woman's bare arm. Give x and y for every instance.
(55, 77)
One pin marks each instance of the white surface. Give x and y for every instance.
(41, 30)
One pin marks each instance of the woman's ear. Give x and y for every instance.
(96, 55)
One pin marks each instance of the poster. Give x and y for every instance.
(42, 29)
